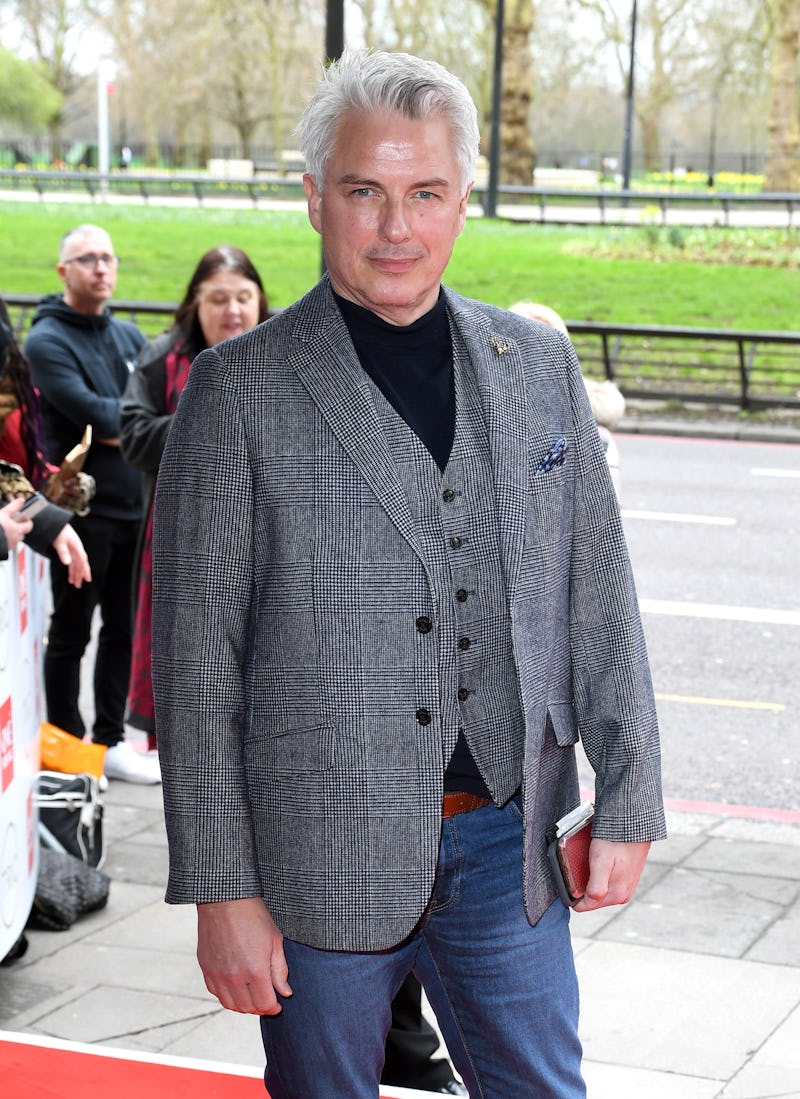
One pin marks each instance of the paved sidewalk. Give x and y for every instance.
(690, 992)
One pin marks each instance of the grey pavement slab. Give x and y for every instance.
(774, 1069)
(679, 1012)
(112, 1014)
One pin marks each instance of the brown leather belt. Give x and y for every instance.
(461, 802)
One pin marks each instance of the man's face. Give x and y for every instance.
(390, 212)
(88, 270)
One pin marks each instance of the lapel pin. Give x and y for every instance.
(499, 346)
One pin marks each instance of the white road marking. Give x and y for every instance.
(775, 472)
(678, 517)
(765, 615)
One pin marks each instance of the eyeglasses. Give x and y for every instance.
(90, 261)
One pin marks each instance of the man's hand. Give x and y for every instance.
(72, 555)
(614, 872)
(240, 951)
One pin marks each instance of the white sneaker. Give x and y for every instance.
(126, 764)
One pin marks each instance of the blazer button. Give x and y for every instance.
(424, 624)
(463, 644)
(423, 716)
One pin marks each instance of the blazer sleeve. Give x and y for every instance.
(202, 576)
(612, 687)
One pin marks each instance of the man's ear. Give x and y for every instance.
(314, 199)
(462, 206)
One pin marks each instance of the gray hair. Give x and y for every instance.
(397, 83)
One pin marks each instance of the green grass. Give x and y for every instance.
(585, 273)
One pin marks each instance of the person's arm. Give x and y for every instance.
(612, 688)
(202, 590)
(51, 532)
(144, 424)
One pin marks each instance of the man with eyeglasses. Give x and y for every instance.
(80, 357)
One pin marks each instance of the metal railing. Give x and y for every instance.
(748, 369)
(552, 205)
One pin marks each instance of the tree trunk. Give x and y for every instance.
(649, 127)
(516, 141)
(784, 136)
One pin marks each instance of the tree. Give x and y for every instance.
(784, 136)
(52, 29)
(26, 97)
(516, 141)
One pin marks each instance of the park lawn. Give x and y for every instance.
(498, 262)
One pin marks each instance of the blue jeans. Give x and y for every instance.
(505, 994)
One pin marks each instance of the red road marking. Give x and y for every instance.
(721, 809)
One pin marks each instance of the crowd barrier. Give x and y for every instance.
(24, 601)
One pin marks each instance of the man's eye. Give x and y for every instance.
(363, 192)
(425, 194)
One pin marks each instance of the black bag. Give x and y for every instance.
(65, 889)
(71, 815)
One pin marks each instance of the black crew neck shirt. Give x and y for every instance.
(412, 365)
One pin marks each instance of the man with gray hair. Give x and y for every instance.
(80, 358)
(391, 591)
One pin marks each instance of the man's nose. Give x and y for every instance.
(394, 223)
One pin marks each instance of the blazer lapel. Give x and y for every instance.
(498, 368)
(328, 367)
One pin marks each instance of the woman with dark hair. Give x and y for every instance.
(24, 471)
(224, 297)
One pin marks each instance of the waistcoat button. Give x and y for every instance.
(455, 542)
(463, 694)
(463, 643)
(448, 495)
(461, 595)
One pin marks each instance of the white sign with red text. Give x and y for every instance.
(23, 603)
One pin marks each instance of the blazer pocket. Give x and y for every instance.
(291, 750)
(561, 716)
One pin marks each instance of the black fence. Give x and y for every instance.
(749, 370)
(554, 205)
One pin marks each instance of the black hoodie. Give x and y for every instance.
(80, 363)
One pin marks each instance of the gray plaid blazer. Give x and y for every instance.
(287, 667)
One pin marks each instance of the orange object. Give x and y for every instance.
(61, 751)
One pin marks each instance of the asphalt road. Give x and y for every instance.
(713, 529)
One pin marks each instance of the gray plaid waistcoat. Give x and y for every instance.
(456, 521)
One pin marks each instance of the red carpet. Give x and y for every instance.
(33, 1067)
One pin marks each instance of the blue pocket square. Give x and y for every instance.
(555, 455)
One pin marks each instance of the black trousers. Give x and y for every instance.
(111, 548)
(411, 1044)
